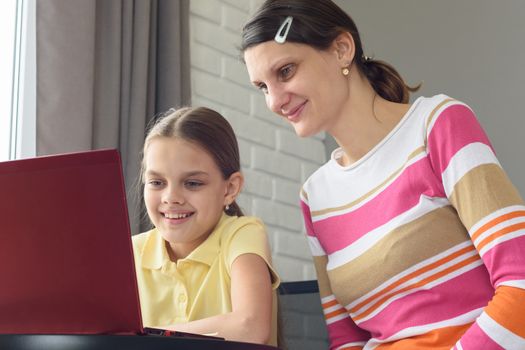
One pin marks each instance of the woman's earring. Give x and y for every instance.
(345, 71)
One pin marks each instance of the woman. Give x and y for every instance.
(416, 231)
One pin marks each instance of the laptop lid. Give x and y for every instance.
(66, 262)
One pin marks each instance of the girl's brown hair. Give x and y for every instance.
(317, 23)
(208, 129)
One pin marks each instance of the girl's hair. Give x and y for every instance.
(317, 23)
(208, 129)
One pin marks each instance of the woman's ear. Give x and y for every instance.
(344, 47)
(233, 187)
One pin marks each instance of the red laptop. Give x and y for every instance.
(66, 263)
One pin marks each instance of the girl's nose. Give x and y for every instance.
(173, 195)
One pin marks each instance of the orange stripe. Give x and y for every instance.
(335, 313)
(507, 308)
(351, 348)
(438, 339)
(427, 280)
(413, 275)
(496, 221)
(329, 303)
(502, 232)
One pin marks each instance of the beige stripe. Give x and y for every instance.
(304, 194)
(322, 279)
(371, 192)
(482, 191)
(432, 114)
(401, 249)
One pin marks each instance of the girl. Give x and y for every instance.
(418, 235)
(204, 267)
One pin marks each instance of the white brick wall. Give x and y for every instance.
(274, 160)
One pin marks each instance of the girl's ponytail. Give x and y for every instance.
(234, 210)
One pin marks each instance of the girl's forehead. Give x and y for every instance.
(174, 144)
(163, 151)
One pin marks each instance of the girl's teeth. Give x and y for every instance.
(176, 216)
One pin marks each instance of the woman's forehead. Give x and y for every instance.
(269, 54)
(267, 57)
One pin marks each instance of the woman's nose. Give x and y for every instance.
(276, 100)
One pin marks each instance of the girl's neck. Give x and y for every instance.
(177, 251)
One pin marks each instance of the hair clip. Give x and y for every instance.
(282, 32)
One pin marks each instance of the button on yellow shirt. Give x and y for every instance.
(199, 285)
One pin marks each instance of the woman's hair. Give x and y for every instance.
(317, 23)
(208, 129)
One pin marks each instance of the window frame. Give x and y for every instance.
(21, 121)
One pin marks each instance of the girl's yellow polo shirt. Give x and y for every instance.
(199, 285)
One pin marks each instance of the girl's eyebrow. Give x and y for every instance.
(185, 174)
(195, 173)
(152, 173)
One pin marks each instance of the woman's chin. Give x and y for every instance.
(303, 132)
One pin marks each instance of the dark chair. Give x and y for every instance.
(302, 323)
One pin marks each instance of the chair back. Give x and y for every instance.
(302, 322)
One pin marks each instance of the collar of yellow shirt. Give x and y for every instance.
(154, 254)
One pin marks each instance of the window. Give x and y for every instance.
(7, 43)
(18, 79)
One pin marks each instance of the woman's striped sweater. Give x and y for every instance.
(421, 243)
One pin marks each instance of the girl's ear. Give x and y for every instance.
(233, 187)
(344, 48)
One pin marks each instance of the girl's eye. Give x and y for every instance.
(192, 184)
(154, 183)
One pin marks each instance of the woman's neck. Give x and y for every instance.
(366, 121)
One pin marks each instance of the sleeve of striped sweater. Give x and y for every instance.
(342, 331)
(493, 213)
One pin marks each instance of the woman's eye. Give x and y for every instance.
(287, 71)
(263, 88)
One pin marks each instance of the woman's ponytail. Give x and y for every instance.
(385, 80)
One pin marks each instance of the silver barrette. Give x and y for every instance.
(282, 32)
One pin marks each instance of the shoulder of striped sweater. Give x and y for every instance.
(429, 109)
(442, 100)
(432, 102)
(437, 99)
(318, 174)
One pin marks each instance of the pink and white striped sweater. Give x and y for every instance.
(421, 243)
